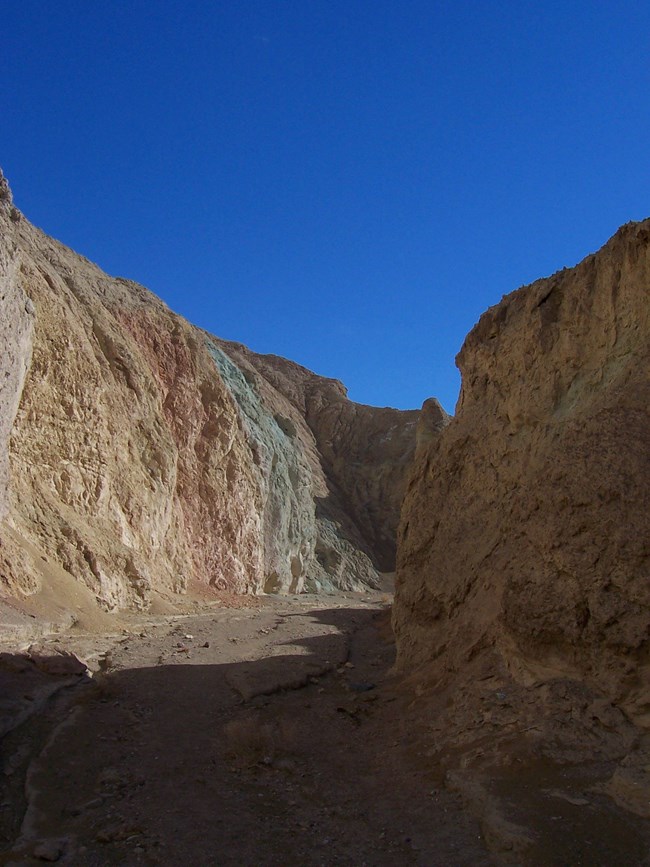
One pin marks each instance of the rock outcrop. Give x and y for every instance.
(15, 337)
(149, 458)
(364, 451)
(523, 589)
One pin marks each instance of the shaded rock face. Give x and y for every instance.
(524, 545)
(148, 457)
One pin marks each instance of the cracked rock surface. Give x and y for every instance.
(143, 459)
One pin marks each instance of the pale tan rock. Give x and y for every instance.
(16, 319)
(149, 459)
(524, 546)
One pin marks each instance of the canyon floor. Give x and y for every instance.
(273, 734)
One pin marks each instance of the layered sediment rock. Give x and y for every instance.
(524, 546)
(148, 457)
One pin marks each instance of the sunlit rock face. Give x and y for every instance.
(15, 336)
(524, 546)
(143, 456)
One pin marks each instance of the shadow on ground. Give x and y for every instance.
(303, 756)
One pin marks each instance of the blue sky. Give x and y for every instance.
(347, 184)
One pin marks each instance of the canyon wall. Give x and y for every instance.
(365, 451)
(523, 583)
(142, 457)
(15, 336)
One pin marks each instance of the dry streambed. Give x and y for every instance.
(254, 736)
(267, 735)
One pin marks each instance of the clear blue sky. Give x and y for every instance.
(343, 182)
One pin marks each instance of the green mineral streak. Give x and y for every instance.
(290, 526)
(261, 424)
(289, 512)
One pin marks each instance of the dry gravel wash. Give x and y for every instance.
(271, 735)
(234, 737)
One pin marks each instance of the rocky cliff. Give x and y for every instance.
(15, 338)
(523, 586)
(142, 457)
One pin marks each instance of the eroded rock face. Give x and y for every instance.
(364, 451)
(524, 546)
(148, 457)
(16, 317)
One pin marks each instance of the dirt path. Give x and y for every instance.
(265, 736)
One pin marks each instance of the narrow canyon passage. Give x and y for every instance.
(266, 735)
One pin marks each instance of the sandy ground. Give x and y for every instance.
(233, 737)
(266, 735)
